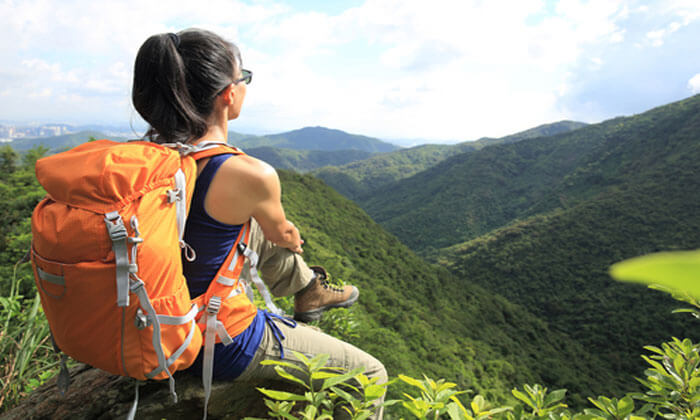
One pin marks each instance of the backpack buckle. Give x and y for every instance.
(140, 320)
(115, 227)
(214, 305)
(175, 195)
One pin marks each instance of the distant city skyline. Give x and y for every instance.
(442, 72)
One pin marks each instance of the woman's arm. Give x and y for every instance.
(270, 215)
(246, 187)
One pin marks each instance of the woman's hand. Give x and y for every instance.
(298, 242)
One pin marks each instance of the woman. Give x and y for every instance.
(187, 86)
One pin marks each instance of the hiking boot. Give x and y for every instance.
(319, 296)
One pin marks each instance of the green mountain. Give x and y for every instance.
(360, 179)
(418, 318)
(314, 138)
(470, 194)
(59, 143)
(305, 160)
(565, 208)
(544, 130)
(556, 264)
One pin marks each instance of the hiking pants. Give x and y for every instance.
(285, 273)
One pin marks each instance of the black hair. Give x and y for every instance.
(177, 78)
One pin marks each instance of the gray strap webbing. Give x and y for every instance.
(177, 353)
(117, 232)
(135, 404)
(177, 320)
(222, 333)
(63, 381)
(226, 281)
(138, 288)
(236, 254)
(51, 278)
(209, 341)
(206, 145)
(262, 288)
(181, 202)
(186, 149)
(234, 292)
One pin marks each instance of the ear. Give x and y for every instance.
(228, 95)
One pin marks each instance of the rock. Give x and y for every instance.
(95, 394)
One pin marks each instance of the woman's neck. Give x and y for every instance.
(217, 129)
(215, 133)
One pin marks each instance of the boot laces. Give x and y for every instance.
(333, 288)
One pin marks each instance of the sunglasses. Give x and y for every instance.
(247, 78)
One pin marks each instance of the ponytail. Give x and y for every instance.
(177, 78)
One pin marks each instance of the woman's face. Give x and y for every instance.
(239, 90)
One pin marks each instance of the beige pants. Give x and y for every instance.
(285, 273)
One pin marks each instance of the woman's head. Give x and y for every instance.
(177, 78)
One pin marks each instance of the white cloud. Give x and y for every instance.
(694, 84)
(656, 37)
(453, 69)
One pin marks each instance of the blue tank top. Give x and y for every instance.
(212, 241)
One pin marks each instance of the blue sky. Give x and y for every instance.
(442, 71)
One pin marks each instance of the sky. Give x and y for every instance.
(406, 71)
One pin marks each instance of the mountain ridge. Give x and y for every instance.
(360, 179)
(541, 220)
(503, 182)
(316, 138)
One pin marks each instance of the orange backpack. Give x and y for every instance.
(106, 252)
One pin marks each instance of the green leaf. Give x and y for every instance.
(281, 395)
(286, 375)
(676, 270)
(363, 415)
(282, 363)
(412, 381)
(625, 407)
(524, 398)
(457, 413)
(374, 392)
(554, 397)
(335, 380)
(301, 357)
(344, 395)
(323, 375)
(318, 361)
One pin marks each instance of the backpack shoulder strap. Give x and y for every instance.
(204, 149)
(208, 149)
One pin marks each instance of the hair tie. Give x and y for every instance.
(175, 38)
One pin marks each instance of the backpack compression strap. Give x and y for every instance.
(226, 282)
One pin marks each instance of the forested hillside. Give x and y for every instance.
(305, 160)
(314, 138)
(59, 143)
(565, 208)
(415, 317)
(419, 318)
(471, 194)
(359, 180)
(556, 266)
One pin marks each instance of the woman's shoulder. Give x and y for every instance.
(250, 170)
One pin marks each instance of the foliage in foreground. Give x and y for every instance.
(671, 383)
(672, 391)
(24, 346)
